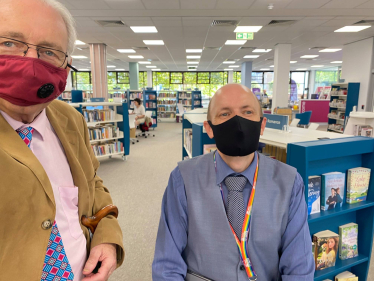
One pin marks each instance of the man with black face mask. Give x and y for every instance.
(234, 214)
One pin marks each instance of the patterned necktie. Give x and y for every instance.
(235, 203)
(56, 264)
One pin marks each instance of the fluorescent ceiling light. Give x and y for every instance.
(144, 62)
(194, 50)
(309, 56)
(119, 69)
(151, 66)
(78, 42)
(234, 66)
(247, 28)
(111, 66)
(156, 69)
(235, 42)
(193, 57)
(293, 61)
(79, 57)
(192, 69)
(154, 42)
(337, 61)
(317, 66)
(271, 65)
(192, 62)
(301, 69)
(84, 69)
(330, 50)
(352, 28)
(136, 57)
(261, 50)
(229, 69)
(80, 49)
(126, 51)
(264, 69)
(144, 29)
(229, 62)
(251, 56)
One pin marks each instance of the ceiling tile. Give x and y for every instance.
(125, 4)
(161, 4)
(263, 4)
(89, 4)
(343, 4)
(197, 21)
(307, 4)
(367, 5)
(234, 4)
(167, 21)
(198, 4)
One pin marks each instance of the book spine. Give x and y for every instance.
(340, 242)
(323, 192)
(349, 182)
(315, 241)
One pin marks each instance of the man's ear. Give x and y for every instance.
(263, 125)
(208, 129)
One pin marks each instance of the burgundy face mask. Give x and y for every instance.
(28, 81)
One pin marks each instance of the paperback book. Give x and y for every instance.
(346, 276)
(357, 184)
(326, 249)
(348, 234)
(332, 191)
(314, 191)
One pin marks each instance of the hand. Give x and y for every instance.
(136, 118)
(107, 254)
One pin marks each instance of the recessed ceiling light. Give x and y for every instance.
(192, 69)
(192, 62)
(352, 28)
(229, 69)
(317, 66)
(251, 56)
(154, 42)
(293, 61)
(84, 69)
(301, 69)
(330, 50)
(261, 51)
(264, 69)
(156, 69)
(144, 29)
(235, 42)
(111, 66)
(151, 66)
(271, 65)
(78, 42)
(80, 49)
(193, 57)
(247, 28)
(126, 51)
(144, 62)
(119, 69)
(234, 66)
(309, 56)
(337, 61)
(229, 62)
(194, 50)
(79, 57)
(136, 57)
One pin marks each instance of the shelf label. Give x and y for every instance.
(244, 36)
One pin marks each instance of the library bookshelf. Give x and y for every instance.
(166, 105)
(150, 104)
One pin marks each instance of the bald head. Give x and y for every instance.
(233, 97)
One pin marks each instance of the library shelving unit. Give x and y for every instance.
(150, 104)
(133, 94)
(196, 99)
(121, 120)
(339, 155)
(190, 99)
(348, 101)
(166, 105)
(66, 96)
(118, 93)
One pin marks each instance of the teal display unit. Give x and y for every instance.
(150, 104)
(196, 99)
(133, 94)
(339, 155)
(190, 99)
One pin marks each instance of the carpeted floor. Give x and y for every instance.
(137, 186)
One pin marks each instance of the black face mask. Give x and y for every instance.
(237, 136)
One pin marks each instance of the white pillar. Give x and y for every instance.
(282, 59)
(312, 82)
(357, 67)
(247, 74)
(230, 77)
(149, 78)
(99, 70)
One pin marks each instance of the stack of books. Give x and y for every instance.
(363, 130)
(103, 132)
(346, 276)
(101, 149)
(99, 115)
(188, 140)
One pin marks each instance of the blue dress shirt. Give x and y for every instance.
(168, 264)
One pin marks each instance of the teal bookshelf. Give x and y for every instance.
(190, 99)
(339, 155)
(133, 94)
(196, 100)
(150, 104)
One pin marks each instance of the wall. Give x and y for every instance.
(357, 67)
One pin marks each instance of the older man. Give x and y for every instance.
(47, 167)
(234, 214)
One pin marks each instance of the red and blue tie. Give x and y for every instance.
(56, 264)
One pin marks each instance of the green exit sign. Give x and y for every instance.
(244, 36)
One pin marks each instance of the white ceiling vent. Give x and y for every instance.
(247, 48)
(317, 48)
(110, 23)
(225, 23)
(365, 22)
(281, 22)
(141, 48)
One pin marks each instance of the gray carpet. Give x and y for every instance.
(137, 186)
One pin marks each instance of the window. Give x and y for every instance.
(123, 77)
(203, 78)
(298, 83)
(143, 80)
(176, 78)
(82, 80)
(326, 78)
(237, 77)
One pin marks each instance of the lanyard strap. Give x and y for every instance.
(242, 243)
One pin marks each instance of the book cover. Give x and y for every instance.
(326, 249)
(348, 234)
(358, 180)
(346, 276)
(332, 191)
(314, 198)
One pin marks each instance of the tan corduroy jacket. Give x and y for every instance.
(27, 200)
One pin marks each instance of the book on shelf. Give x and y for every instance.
(314, 195)
(332, 191)
(358, 180)
(363, 130)
(336, 127)
(208, 148)
(167, 95)
(136, 96)
(101, 149)
(166, 114)
(99, 115)
(188, 140)
(326, 249)
(151, 97)
(150, 104)
(101, 132)
(346, 276)
(348, 239)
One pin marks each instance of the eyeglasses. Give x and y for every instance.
(9, 46)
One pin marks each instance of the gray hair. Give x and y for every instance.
(69, 22)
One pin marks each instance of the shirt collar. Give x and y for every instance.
(223, 170)
(39, 124)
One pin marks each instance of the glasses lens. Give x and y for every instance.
(57, 58)
(11, 47)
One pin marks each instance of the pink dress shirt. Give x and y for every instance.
(47, 148)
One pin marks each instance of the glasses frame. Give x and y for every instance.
(41, 47)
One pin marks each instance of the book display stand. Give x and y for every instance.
(190, 99)
(166, 105)
(150, 104)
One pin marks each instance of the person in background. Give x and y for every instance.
(139, 111)
(218, 203)
(47, 166)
